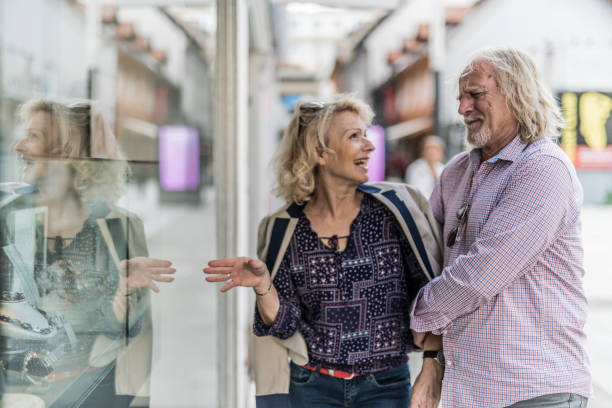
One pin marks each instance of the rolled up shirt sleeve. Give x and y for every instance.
(526, 221)
(289, 312)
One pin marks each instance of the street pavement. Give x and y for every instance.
(597, 227)
(185, 311)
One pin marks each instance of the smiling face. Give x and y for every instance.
(483, 107)
(347, 138)
(33, 147)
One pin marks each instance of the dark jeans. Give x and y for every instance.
(385, 389)
(564, 400)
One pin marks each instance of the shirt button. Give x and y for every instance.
(449, 363)
(444, 331)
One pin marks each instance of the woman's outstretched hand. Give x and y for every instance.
(242, 271)
(143, 272)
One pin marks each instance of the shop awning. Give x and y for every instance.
(409, 128)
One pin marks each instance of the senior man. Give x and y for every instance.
(510, 300)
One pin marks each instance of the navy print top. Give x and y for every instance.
(350, 306)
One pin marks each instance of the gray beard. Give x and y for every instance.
(480, 138)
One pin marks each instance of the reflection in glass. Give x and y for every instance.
(75, 265)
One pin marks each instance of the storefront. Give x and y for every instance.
(129, 112)
(405, 104)
(586, 140)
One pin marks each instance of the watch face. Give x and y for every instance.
(440, 358)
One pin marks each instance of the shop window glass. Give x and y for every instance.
(105, 139)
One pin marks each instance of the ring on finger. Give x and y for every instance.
(229, 276)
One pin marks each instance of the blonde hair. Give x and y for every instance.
(80, 135)
(306, 135)
(519, 80)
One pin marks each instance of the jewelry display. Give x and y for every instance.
(25, 330)
(38, 364)
(20, 320)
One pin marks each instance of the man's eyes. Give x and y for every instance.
(473, 95)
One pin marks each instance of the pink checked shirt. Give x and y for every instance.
(510, 300)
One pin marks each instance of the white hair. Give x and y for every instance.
(519, 80)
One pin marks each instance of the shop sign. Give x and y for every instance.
(179, 158)
(376, 164)
(587, 137)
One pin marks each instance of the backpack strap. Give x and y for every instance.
(391, 195)
(279, 231)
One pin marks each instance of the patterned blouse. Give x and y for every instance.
(351, 306)
(80, 280)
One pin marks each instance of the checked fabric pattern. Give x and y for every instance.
(350, 306)
(510, 300)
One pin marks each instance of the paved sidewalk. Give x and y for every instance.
(185, 312)
(597, 226)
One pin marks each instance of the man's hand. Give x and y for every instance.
(428, 385)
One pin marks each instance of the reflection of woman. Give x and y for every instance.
(96, 268)
(343, 260)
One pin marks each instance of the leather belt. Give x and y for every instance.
(332, 373)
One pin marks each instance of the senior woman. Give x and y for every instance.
(339, 266)
(94, 269)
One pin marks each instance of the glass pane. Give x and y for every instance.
(105, 137)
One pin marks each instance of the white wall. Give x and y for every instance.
(40, 55)
(389, 36)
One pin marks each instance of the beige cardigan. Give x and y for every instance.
(270, 355)
(133, 354)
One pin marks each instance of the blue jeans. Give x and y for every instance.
(385, 389)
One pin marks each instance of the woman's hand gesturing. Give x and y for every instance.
(242, 271)
(144, 272)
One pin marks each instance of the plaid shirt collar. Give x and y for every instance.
(510, 152)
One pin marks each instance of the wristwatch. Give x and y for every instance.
(437, 355)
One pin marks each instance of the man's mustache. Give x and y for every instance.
(469, 119)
